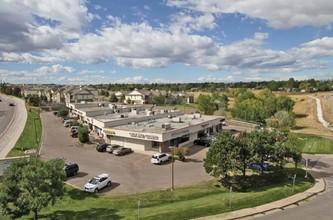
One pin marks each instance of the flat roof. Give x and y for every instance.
(155, 125)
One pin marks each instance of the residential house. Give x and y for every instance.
(139, 97)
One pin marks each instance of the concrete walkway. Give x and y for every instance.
(320, 112)
(296, 199)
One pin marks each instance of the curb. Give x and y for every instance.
(282, 204)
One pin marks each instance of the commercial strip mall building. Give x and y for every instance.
(143, 127)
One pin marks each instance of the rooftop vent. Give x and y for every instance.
(176, 119)
(166, 126)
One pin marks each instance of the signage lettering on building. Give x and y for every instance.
(109, 132)
(144, 136)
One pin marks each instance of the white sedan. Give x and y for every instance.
(97, 183)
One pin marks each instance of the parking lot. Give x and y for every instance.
(130, 173)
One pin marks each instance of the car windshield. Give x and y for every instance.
(93, 181)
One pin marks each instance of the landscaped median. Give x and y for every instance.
(31, 136)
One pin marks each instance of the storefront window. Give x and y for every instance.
(179, 140)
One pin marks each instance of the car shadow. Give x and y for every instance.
(110, 188)
(195, 149)
(78, 175)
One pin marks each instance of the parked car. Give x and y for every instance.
(68, 123)
(121, 151)
(258, 166)
(74, 128)
(98, 182)
(55, 113)
(75, 134)
(203, 141)
(71, 169)
(110, 148)
(101, 147)
(11, 104)
(0, 100)
(160, 158)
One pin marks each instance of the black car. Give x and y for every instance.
(71, 169)
(101, 147)
(203, 142)
(11, 104)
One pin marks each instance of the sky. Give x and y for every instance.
(164, 41)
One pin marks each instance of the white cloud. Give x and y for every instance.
(277, 13)
(34, 25)
(132, 80)
(27, 58)
(183, 22)
(55, 69)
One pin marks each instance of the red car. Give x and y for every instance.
(74, 134)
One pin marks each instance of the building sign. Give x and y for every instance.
(143, 136)
(109, 132)
(180, 133)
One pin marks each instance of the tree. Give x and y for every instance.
(83, 134)
(294, 149)
(263, 142)
(122, 98)
(205, 104)
(220, 157)
(224, 102)
(63, 112)
(30, 185)
(113, 98)
(282, 121)
(159, 99)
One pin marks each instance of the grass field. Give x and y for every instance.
(31, 135)
(182, 203)
(314, 144)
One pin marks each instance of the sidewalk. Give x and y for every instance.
(318, 188)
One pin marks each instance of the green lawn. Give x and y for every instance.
(313, 144)
(29, 135)
(182, 203)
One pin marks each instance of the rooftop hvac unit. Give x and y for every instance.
(197, 115)
(166, 126)
(176, 119)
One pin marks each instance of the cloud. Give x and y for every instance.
(27, 58)
(55, 69)
(183, 22)
(34, 25)
(277, 13)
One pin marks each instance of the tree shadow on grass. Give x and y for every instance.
(257, 180)
(299, 127)
(95, 213)
(301, 115)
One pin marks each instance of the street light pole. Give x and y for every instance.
(172, 170)
(36, 130)
(306, 168)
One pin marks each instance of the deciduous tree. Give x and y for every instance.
(30, 185)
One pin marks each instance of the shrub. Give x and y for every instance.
(83, 134)
(63, 112)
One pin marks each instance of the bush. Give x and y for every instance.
(63, 112)
(181, 151)
(83, 134)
